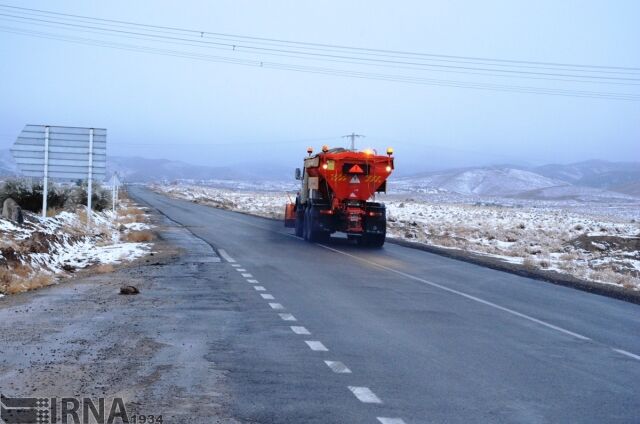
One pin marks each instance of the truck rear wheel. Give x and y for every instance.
(299, 228)
(310, 234)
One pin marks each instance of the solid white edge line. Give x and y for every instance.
(226, 256)
(465, 295)
(287, 317)
(625, 353)
(364, 394)
(338, 367)
(267, 296)
(316, 345)
(385, 420)
(298, 329)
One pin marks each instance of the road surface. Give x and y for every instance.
(332, 333)
(237, 321)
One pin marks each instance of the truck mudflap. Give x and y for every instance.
(375, 219)
(290, 215)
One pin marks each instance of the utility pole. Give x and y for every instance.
(353, 137)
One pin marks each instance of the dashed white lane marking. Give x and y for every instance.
(259, 288)
(316, 345)
(384, 420)
(338, 367)
(267, 296)
(300, 330)
(465, 295)
(236, 265)
(241, 270)
(226, 256)
(252, 281)
(276, 306)
(625, 353)
(247, 275)
(287, 317)
(364, 394)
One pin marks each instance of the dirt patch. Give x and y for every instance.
(606, 243)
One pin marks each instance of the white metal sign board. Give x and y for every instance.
(71, 153)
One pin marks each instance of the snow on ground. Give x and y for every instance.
(595, 241)
(46, 249)
(262, 203)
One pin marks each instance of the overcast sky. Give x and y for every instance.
(215, 113)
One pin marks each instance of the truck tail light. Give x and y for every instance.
(326, 211)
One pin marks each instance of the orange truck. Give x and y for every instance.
(338, 186)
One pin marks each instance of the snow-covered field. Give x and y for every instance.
(42, 251)
(594, 241)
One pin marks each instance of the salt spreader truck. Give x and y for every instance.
(337, 186)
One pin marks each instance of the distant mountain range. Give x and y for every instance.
(146, 170)
(594, 178)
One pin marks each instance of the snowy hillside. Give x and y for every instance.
(595, 173)
(503, 182)
(136, 169)
(479, 181)
(44, 251)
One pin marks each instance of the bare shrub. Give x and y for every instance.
(51, 212)
(139, 236)
(572, 256)
(103, 269)
(6, 277)
(529, 263)
(31, 283)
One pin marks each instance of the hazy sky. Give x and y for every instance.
(213, 113)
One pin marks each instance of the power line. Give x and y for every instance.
(349, 59)
(322, 45)
(329, 71)
(314, 69)
(236, 49)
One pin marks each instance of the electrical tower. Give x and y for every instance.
(353, 137)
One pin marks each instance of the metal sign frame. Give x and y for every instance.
(66, 153)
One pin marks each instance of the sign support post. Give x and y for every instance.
(45, 183)
(90, 181)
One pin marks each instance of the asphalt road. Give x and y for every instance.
(426, 339)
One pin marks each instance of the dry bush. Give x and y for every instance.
(103, 269)
(567, 266)
(544, 263)
(31, 283)
(572, 256)
(6, 277)
(529, 263)
(15, 280)
(139, 236)
(51, 212)
(21, 271)
(130, 210)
